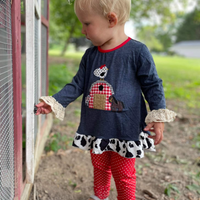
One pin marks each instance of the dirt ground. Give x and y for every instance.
(171, 173)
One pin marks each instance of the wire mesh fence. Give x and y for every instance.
(6, 104)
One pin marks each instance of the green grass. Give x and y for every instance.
(70, 53)
(73, 55)
(181, 78)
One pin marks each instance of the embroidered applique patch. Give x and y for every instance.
(99, 101)
(101, 93)
(101, 72)
(115, 104)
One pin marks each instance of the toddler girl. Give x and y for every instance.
(114, 77)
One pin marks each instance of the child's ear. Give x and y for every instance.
(112, 17)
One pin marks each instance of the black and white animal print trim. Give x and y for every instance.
(127, 149)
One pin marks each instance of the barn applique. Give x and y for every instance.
(102, 94)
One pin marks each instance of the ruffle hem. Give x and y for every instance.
(127, 149)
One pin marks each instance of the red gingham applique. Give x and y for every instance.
(102, 88)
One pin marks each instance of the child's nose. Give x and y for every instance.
(83, 31)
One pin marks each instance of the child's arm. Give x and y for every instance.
(157, 128)
(152, 89)
(59, 101)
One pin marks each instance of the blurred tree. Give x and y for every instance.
(164, 34)
(190, 27)
(165, 38)
(152, 9)
(147, 35)
(64, 24)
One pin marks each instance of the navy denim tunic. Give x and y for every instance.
(129, 76)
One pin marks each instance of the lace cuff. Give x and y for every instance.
(161, 115)
(56, 107)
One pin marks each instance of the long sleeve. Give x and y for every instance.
(68, 93)
(152, 89)
(151, 84)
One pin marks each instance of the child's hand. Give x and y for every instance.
(157, 128)
(43, 108)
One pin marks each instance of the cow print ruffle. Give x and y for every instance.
(127, 149)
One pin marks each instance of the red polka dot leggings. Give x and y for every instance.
(123, 171)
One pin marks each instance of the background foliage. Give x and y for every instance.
(158, 22)
(189, 29)
(64, 23)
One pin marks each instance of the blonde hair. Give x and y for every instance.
(121, 8)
